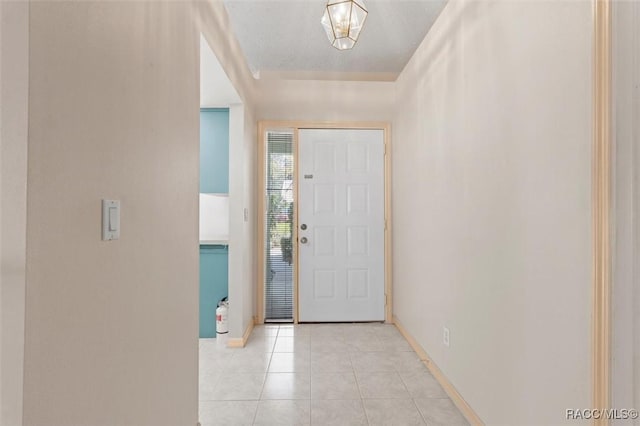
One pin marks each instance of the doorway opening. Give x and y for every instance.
(218, 99)
(221, 221)
(323, 250)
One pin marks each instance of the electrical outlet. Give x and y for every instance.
(445, 336)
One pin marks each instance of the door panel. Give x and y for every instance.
(341, 201)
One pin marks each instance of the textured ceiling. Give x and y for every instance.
(285, 36)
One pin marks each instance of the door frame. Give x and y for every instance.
(601, 204)
(295, 126)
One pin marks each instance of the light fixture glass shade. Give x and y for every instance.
(343, 21)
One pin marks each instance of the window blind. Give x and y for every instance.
(279, 227)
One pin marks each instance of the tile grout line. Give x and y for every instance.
(413, 400)
(255, 415)
(366, 416)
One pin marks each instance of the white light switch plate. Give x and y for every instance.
(110, 220)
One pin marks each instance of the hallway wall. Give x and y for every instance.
(112, 327)
(242, 235)
(320, 100)
(625, 372)
(491, 205)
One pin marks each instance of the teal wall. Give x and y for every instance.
(214, 150)
(214, 178)
(214, 277)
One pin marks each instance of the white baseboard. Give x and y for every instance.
(240, 342)
(455, 396)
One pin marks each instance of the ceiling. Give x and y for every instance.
(285, 37)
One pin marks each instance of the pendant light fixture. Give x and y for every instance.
(343, 21)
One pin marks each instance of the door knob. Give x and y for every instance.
(303, 240)
(303, 226)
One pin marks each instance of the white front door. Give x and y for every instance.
(341, 225)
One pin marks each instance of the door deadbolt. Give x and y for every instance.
(303, 240)
(303, 226)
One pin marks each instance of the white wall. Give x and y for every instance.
(491, 205)
(250, 194)
(242, 229)
(216, 91)
(625, 382)
(323, 100)
(112, 327)
(14, 72)
(236, 221)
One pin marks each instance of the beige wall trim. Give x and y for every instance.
(294, 126)
(455, 396)
(601, 204)
(296, 252)
(240, 342)
(388, 254)
(260, 231)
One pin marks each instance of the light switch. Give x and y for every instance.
(110, 220)
(113, 219)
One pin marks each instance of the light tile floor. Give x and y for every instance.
(320, 374)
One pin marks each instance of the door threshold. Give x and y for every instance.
(342, 322)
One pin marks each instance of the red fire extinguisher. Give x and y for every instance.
(222, 327)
